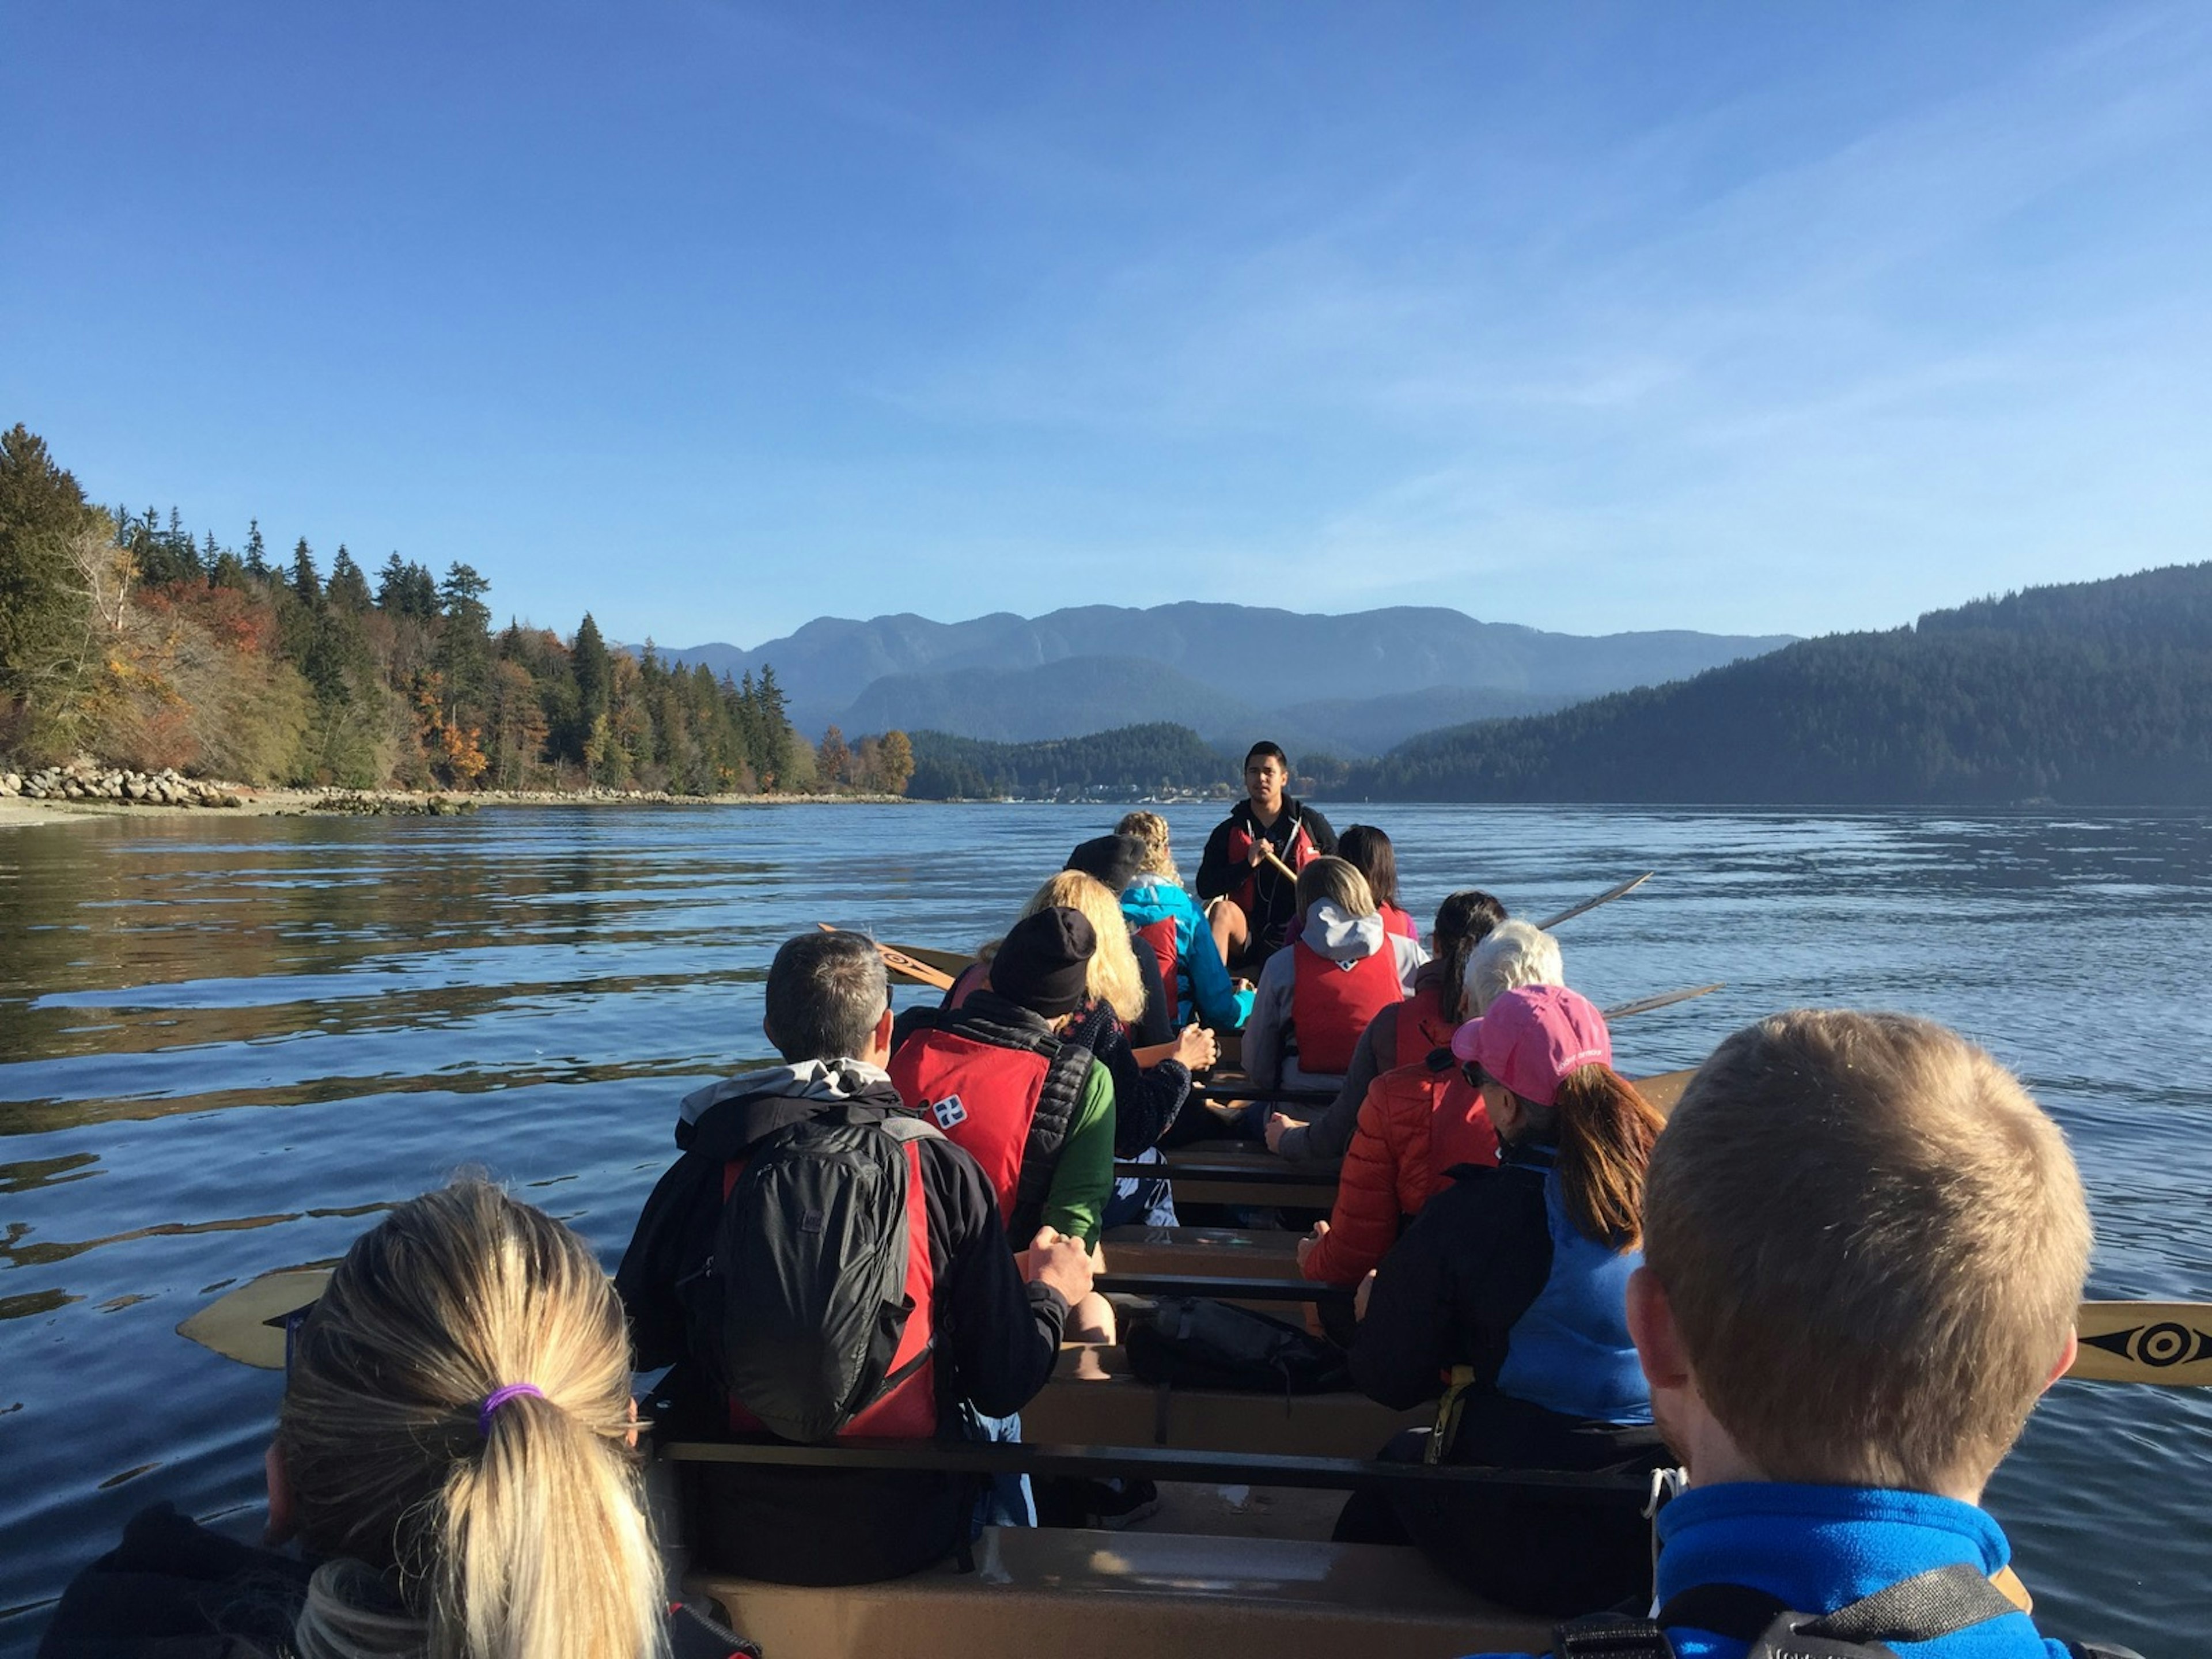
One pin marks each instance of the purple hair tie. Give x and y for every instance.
(499, 1397)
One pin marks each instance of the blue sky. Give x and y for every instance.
(711, 319)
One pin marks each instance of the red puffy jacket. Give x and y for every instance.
(1414, 1124)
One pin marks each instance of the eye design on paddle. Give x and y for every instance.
(2156, 1346)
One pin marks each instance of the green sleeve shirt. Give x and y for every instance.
(1075, 1204)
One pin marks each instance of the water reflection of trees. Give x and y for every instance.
(180, 947)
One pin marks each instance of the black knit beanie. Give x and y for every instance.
(1042, 963)
(1114, 859)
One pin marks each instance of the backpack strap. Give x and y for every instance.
(902, 1128)
(1922, 1609)
(1064, 1079)
(1609, 1636)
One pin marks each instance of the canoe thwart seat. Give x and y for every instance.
(1157, 1463)
(1224, 1290)
(1203, 1253)
(1094, 1399)
(1245, 1171)
(1085, 1595)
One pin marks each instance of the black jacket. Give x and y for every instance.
(173, 1590)
(997, 1341)
(1146, 1099)
(1278, 893)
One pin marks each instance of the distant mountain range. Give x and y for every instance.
(1349, 685)
(2092, 692)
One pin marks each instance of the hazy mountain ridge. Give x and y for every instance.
(2091, 693)
(1351, 684)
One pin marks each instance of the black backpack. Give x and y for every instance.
(1194, 1343)
(799, 1309)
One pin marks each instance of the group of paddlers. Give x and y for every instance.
(1828, 1289)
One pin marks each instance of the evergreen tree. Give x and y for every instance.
(257, 552)
(307, 585)
(594, 670)
(392, 586)
(349, 588)
(773, 737)
(43, 595)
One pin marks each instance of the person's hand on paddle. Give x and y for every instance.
(1311, 1242)
(1061, 1262)
(1197, 1047)
(1278, 1126)
(1359, 1297)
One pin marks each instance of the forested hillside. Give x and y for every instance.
(2095, 693)
(1162, 758)
(135, 641)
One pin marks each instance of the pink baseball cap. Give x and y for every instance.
(1532, 1036)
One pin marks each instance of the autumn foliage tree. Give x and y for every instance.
(123, 636)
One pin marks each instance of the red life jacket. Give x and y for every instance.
(1460, 1130)
(1006, 1095)
(1330, 1006)
(1161, 936)
(972, 979)
(907, 1408)
(1246, 892)
(1422, 1027)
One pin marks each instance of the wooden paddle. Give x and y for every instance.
(2168, 1343)
(1665, 999)
(1606, 898)
(911, 967)
(247, 1324)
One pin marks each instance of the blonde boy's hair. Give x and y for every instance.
(1112, 976)
(1339, 881)
(1873, 1244)
(1150, 829)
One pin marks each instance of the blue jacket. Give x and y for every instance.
(1201, 982)
(1820, 1547)
(1494, 1275)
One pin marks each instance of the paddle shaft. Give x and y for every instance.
(1666, 999)
(2168, 1343)
(1587, 905)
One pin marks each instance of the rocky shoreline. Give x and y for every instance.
(86, 781)
(86, 788)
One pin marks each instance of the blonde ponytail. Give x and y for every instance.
(513, 1532)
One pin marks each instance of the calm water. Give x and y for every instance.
(223, 1044)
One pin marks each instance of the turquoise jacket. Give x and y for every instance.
(1201, 982)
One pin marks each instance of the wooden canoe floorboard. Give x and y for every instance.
(1089, 1595)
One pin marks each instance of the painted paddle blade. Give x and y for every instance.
(912, 968)
(247, 1324)
(2164, 1342)
(1666, 999)
(1606, 898)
